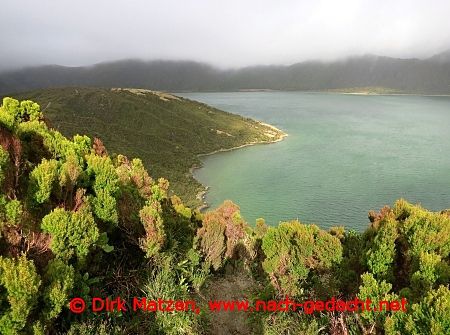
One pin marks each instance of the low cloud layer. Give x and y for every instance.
(231, 33)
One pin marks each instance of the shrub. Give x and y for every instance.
(380, 256)
(141, 179)
(163, 283)
(376, 291)
(152, 221)
(8, 112)
(73, 233)
(105, 185)
(59, 281)
(14, 212)
(212, 243)
(4, 162)
(95, 327)
(424, 231)
(11, 212)
(13, 112)
(292, 250)
(289, 323)
(159, 191)
(431, 269)
(261, 227)
(222, 230)
(81, 146)
(196, 270)
(180, 208)
(69, 172)
(105, 206)
(29, 111)
(21, 283)
(429, 316)
(43, 179)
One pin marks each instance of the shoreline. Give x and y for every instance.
(201, 195)
(282, 136)
(376, 94)
(389, 94)
(324, 91)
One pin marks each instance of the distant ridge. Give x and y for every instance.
(427, 76)
(443, 57)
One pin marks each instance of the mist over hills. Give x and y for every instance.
(431, 76)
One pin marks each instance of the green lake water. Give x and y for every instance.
(345, 155)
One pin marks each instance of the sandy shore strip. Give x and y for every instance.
(202, 194)
(282, 135)
(381, 94)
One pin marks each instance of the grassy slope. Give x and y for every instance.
(167, 134)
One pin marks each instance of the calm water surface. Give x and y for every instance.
(345, 155)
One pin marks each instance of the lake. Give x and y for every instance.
(345, 155)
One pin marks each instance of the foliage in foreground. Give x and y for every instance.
(76, 222)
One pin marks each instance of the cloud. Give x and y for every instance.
(232, 33)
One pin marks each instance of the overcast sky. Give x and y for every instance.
(226, 33)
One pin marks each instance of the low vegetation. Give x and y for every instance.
(76, 222)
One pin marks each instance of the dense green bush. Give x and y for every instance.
(292, 250)
(11, 212)
(14, 112)
(21, 285)
(380, 256)
(42, 180)
(105, 186)
(431, 315)
(73, 233)
(59, 282)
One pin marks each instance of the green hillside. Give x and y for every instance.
(167, 132)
